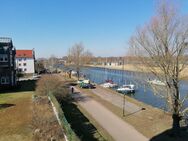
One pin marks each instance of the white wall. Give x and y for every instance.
(29, 65)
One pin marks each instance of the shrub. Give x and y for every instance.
(50, 84)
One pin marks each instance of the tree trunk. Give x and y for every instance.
(78, 74)
(176, 113)
(176, 124)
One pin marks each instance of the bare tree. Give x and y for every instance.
(53, 60)
(48, 84)
(87, 57)
(69, 56)
(76, 56)
(161, 46)
(39, 66)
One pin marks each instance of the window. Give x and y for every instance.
(25, 64)
(20, 69)
(20, 59)
(3, 58)
(25, 59)
(2, 80)
(20, 64)
(25, 69)
(5, 80)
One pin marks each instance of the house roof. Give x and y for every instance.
(24, 54)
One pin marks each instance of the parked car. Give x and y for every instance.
(83, 81)
(79, 82)
(87, 85)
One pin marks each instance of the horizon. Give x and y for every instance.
(51, 27)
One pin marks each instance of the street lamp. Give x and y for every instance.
(122, 82)
(123, 105)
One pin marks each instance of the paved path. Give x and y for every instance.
(116, 100)
(115, 126)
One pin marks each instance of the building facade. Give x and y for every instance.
(7, 63)
(25, 61)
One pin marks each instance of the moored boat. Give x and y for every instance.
(126, 89)
(109, 84)
(156, 82)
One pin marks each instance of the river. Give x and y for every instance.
(144, 92)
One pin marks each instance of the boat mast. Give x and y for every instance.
(106, 70)
(122, 81)
(122, 69)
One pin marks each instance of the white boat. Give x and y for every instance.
(156, 82)
(108, 85)
(126, 89)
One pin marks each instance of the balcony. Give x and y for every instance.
(4, 64)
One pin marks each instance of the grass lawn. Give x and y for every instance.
(16, 113)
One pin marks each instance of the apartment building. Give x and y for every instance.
(7, 63)
(25, 61)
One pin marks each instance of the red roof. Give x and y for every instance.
(24, 53)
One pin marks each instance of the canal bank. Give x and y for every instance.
(107, 119)
(149, 121)
(144, 118)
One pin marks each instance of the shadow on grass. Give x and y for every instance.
(79, 123)
(130, 114)
(5, 105)
(22, 86)
(168, 136)
(78, 97)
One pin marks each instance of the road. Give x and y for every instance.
(115, 126)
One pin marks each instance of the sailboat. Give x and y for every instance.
(108, 82)
(126, 88)
(156, 82)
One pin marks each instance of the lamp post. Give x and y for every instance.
(123, 105)
(122, 82)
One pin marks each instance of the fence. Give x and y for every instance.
(71, 136)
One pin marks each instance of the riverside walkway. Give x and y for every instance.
(116, 99)
(115, 126)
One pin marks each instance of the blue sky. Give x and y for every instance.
(52, 26)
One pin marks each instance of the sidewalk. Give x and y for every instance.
(116, 100)
(116, 127)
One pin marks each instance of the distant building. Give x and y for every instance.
(7, 63)
(25, 61)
